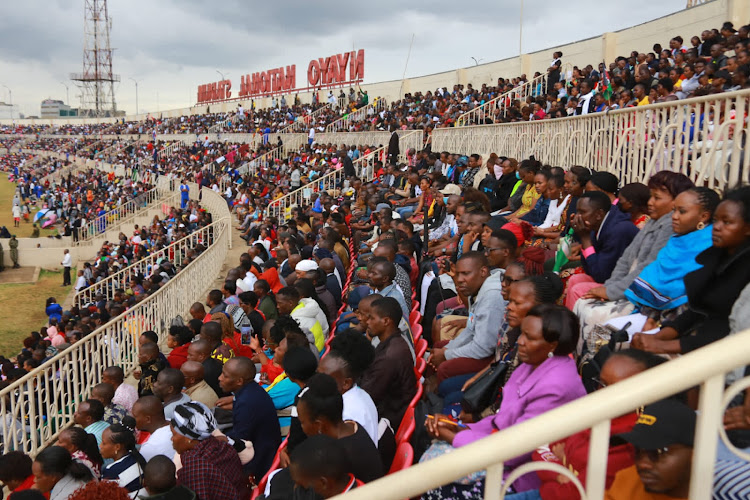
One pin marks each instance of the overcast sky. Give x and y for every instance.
(172, 46)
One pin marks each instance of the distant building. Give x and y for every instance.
(5, 111)
(52, 108)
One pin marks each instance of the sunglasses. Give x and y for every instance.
(652, 455)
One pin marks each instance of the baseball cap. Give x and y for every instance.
(451, 189)
(661, 424)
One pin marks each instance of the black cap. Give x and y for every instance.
(661, 424)
(605, 181)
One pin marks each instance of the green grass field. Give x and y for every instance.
(7, 190)
(22, 309)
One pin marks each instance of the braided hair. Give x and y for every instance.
(548, 287)
(707, 198)
(124, 434)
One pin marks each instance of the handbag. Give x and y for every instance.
(483, 391)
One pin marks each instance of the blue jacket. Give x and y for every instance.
(254, 419)
(615, 234)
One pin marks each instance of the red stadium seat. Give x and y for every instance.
(406, 429)
(417, 396)
(416, 332)
(275, 465)
(421, 347)
(419, 368)
(414, 318)
(415, 306)
(403, 459)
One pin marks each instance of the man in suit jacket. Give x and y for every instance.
(604, 232)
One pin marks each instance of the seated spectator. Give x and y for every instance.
(665, 186)
(320, 412)
(100, 489)
(663, 442)
(113, 413)
(266, 304)
(381, 274)
(213, 333)
(350, 356)
(256, 317)
(148, 413)
(15, 471)
(604, 233)
(178, 340)
(633, 200)
(537, 215)
(125, 395)
(57, 474)
(253, 415)
(90, 416)
(305, 312)
(713, 288)
(573, 451)
(160, 481)
(389, 380)
(309, 295)
(118, 444)
(321, 464)
(83, 447)
(150, 364)
(550, 379)
(200, 351)
(195, 387)
(473, 347)
(168, 388)
(210, 467)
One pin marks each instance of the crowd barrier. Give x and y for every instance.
(37, 407)
(705, 368)
(122, 214)
(703, 138)
(499, 105)
(334, 179)
(343, 123)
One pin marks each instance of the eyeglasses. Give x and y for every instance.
(652, 455)
(492, 249)
(507, 280)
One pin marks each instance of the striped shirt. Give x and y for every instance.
(126, 472)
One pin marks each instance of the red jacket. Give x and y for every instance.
(178, 356)
(577, 454)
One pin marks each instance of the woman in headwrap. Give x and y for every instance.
(210, 467)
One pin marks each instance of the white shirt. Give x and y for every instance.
(159, 443)
(554, 213)
(80, 283)
(67, 260)
(358, 406)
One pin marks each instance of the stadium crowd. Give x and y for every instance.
(450, 298)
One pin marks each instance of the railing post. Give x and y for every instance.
(710, 417)
(493, 482)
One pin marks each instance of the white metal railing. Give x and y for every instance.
(120, 215)
(703, 138)
(409, 139)
(364, 167)
(41, 404)
(344, 122)
(303, 123)
(705, 367)
(174, 252)
(265, 160)
(500, 105)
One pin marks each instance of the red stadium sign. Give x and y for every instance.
(324, 72)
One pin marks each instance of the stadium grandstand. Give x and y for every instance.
(527, 279)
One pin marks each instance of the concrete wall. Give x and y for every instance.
(592, 51)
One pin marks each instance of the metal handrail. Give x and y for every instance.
(501, 103)
(264, 160)
(37, 407)
(702, 137)
(118, 216)
(302, 123)
(174, 252)
(342, 123)
(364, 167)
(594, 412)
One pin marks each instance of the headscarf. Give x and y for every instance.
(194, 420)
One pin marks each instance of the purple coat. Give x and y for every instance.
(528, 393)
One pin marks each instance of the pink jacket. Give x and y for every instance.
(529, 392)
